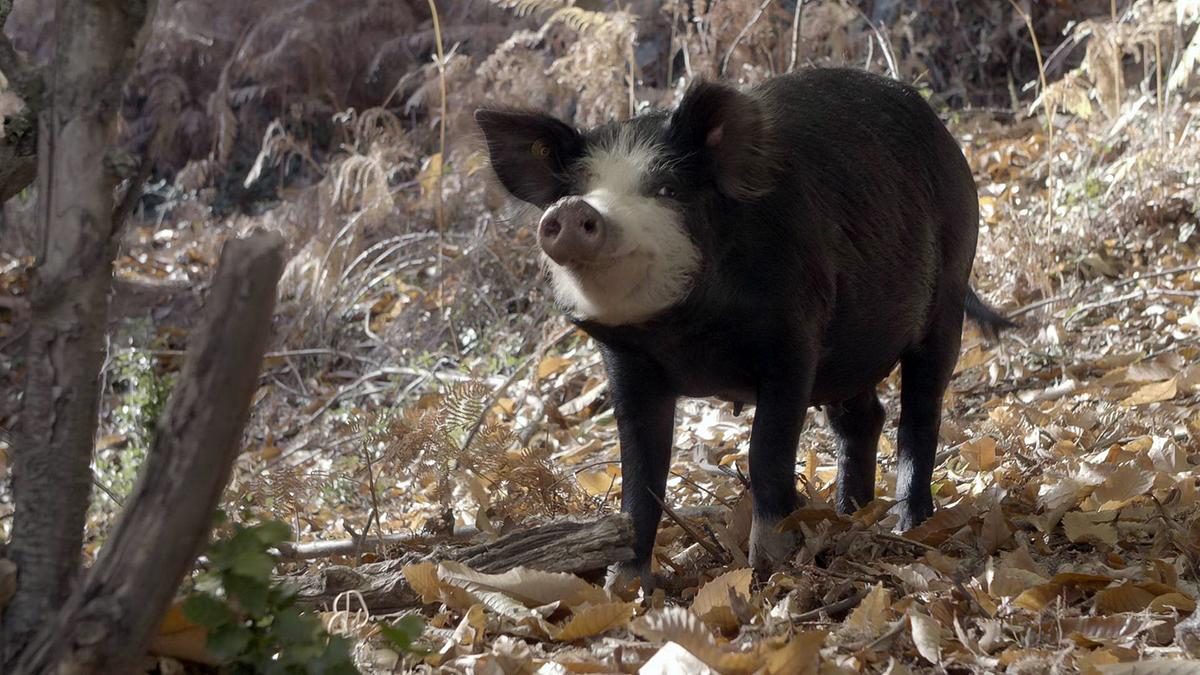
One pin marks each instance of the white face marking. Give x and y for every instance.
(649, 262)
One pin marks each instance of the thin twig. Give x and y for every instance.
(891, 633)
(1162, 273)
(686, 527)
(745, 29)
(345, 391)
(899, 539)
(796, 19)
(832, 608)
(441, 66)
(1046, 106)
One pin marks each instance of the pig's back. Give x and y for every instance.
(887, 211)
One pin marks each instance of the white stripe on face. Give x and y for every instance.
(649, 261)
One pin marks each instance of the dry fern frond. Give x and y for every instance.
(463, 404)
(284, 487)
(527, 7)
(582, 20)
(534, 485)
(425, 444)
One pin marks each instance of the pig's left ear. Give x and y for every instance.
(731, 132)
(530, 152)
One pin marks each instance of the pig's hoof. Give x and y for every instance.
(768, 545)
(912, 513)
(624, 578)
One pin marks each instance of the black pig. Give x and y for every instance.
(784, 246)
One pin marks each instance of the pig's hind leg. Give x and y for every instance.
(925, 373)
(857, 423)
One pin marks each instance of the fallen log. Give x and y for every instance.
(566, 545)
(313, 550)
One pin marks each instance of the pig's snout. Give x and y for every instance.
(572, 231)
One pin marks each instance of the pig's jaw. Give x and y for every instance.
(649, 262)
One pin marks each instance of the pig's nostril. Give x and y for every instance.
(589, 226)
(551, 228)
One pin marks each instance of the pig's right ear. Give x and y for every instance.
(731, 133)
(530, 153)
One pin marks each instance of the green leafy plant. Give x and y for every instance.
(142, 391)
(254, 626)
(404, 633)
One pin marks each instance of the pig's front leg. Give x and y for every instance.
(645, 410)
(779, 416)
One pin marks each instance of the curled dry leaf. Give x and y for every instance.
(533, 587)
(469, 633)
(595, 620)
(1094, 631)
(675, 624)
(926, 635)
(713, 603)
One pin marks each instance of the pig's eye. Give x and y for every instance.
(666, 192)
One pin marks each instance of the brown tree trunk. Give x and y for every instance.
(98, 41)
(105, 626)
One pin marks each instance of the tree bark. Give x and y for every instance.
(97, 45)
(565, 545)
(18, 142)
(105, 626)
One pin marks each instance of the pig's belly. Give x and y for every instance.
(842, 373)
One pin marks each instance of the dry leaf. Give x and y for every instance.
(1169, 601)
(423, 578)
(1153, 393)
(994, 531)
(713, 604)
(672, 659)
(980, 453)
(927, 636)
(1126, 483)
(1082, 527)
(1127, 597)
(533, 587)
(675, 624)
(1152, 667)
(801, 656)
(552, 365)
(595, 620)
(872, 613)
(179, 638)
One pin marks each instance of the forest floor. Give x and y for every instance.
(1067, 533)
